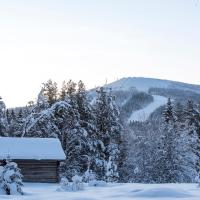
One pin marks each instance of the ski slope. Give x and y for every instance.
(143, 114)
(128, 191)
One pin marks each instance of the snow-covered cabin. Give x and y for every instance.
(38, 158)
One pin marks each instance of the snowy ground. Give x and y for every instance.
(143, 114)
(111, 192)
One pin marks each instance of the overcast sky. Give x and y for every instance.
(95, 40)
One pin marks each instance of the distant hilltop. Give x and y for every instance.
(144, 84)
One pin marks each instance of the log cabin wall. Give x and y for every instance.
(39, 171)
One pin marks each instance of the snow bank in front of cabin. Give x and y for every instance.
(112, 191)
(31, 148)
(143, 114)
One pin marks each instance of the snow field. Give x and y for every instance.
(34, 191)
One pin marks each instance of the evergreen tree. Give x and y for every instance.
(179, 117)
(42, 101)
(63, 92)
(168, 161)
(179, 112)
(192, 117)
(192, 128)
(11, 179)
(109, 132)
(11, 123)
(168, 113)
(8, 116)
(71, 94)
(74, 141)
(87, 123)
(50, 91)
(176, 157)
(189, 113)
(3, 121)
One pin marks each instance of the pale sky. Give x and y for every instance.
(95, 40)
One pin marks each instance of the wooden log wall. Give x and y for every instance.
(39, 171)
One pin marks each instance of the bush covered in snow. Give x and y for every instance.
(90, 178)
(64, 185)
(75, 185)
(11, 179)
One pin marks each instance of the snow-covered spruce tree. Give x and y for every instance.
(15, 122)
(11, 179)
(70, 92)
(109, 132)
(50, 91)
(18, 123)
(168, 113)
(77, 132)
(167, 155)
(142, 147)
(9, 121)
(143, 158)
(87, 123)
(35, 112)
(176, 159)
(123, 156)
(192, 129)
(3, 121)
(40, 120)
(62, 120)
(197, 117)
(188, 146)
(123, 166)
(63, 92)
(47, 123)
(179, 113)
(192, 118)
(2, 107)
(70, 122)
(75, 145)
(42, 101)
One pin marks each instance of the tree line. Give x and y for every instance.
(166, 149)
(96, 138)
(90, 134)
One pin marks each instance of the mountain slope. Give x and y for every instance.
(139, 97)
(144, 84)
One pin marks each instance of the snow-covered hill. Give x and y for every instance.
(138, 107)
(144, 84)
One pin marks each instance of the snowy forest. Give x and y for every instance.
(97, 138)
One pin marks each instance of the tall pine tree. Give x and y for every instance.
(109, 130)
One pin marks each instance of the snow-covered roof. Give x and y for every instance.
(31, 148)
